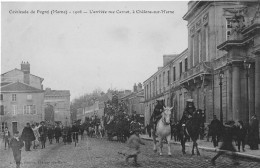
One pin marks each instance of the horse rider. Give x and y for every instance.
(157, 113)
(188, 112)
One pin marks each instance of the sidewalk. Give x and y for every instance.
(208, 146)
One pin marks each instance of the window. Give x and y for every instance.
(168, 77)
(2, 112)
(14, 109)
(163, 79)
(3, 126)
(29, 97)
(186, 64)
(1, 97)
(228, 28)
(200, 41)
(156, 85)
(160, 83)
(180, 68)
(33, 109)
(29, 109)
(174, 74)
(193, 51)
(207, 42)
(13, 97)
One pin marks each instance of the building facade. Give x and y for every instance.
(57, 106)
(220, 68)
(164, 84)
(135, 101)
(22, 98)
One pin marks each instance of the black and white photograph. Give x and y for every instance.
(124, 84)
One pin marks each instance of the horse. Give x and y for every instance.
(192, 130)
(163, 130)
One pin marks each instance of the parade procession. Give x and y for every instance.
(118, 84)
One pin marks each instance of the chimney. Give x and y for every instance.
(168, 58)
(139, 87)
(135, 88)
(47, 89)
(25, 67)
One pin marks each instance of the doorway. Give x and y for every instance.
(14, 126)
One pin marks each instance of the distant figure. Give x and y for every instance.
(148, 129)
(75, 132)
(215, 128)
(28, 136)
(16, 144)
(6, 137)
(50, 133)
(227, 145)
(253, 136)
(35, 129)
(241, 135)
(43, 133)
(57, 133)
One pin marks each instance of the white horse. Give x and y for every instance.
(163, 130)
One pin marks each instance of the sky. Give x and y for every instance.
(87, 51)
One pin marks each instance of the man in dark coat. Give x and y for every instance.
(215, 130)
(16, 144)
(75, 132)
(156, 116)
(57, 133)
(43, 134)
(241, 135)
(28, 136)
(188, 111)
(253, 136)
(50, 133)
(228, 133)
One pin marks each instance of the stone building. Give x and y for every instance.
(57, 106)
(134, 101)
(164, 84)
(220, 68)
(22, 98)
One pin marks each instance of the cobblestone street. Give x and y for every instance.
(99, 153)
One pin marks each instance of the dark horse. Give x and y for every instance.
(192, 130)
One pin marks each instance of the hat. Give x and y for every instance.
(189, 100)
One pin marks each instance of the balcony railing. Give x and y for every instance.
(201, 67)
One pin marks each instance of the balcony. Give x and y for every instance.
(201, 68)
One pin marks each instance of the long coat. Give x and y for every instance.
(43, 133)
(57, 132)
(27, 134)
(16, 147)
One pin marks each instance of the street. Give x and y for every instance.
(99, 153)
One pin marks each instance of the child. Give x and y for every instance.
(133, 145)
(16, 144)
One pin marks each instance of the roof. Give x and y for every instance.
(15, 69)
(19, 87)
(57, 92)
(172, 61)
(4, 83)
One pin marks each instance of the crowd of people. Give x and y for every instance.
(35, 135)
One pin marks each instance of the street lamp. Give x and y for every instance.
(221, 76)
(247, 66)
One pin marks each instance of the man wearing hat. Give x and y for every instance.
(157, 113)
(188, 111)
(215, 128)
(16, 144)
(43, 133)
